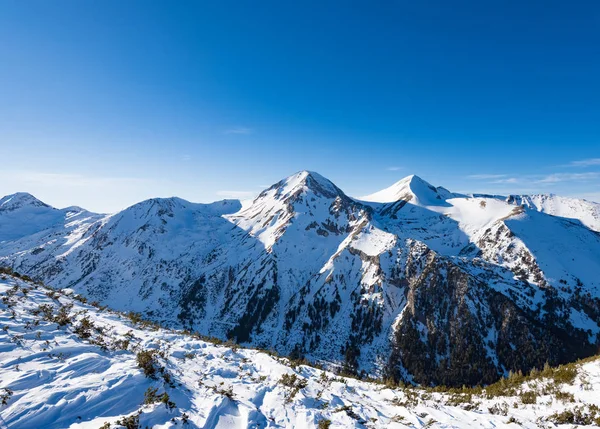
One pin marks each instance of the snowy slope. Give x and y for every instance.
(587, 212)
(393, 285)
(85, 374)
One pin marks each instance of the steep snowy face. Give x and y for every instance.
(546, 251)
(302, 202)
(300, 222)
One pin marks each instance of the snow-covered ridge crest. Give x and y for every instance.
(587, 212)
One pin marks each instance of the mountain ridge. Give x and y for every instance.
(369, 286)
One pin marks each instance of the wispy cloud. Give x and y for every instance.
(486, 176)
(393, 168)
(569, 177)
(236, 194)
(239, 130)
(585, 162)
(507, 180)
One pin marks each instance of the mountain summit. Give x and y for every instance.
(20, 200)
(302, 182)
(411, 188)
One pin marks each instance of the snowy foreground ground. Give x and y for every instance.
(86, 374)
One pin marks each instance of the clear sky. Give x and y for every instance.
(105, 103)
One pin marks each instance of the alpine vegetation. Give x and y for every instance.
(67, 363)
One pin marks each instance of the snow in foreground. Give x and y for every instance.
(87, 374)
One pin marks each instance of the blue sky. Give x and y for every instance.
(105, 103)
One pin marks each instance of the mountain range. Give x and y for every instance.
(414, 282)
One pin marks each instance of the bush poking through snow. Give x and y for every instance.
(324, 424)
(5, 396)
(152, 397)
(45, 310)
(228, 393)
(84, 329)
(165, 399)
(63, 318)
(577, 416)
(121, 344)
(529, 397)
(130, 422)
(146, 360)
(294, 383)
(564, 396)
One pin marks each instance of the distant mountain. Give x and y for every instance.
(413, 282)
(585, 211)
(412, 188)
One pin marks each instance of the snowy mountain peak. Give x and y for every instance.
(309, 180)
(411, 188)
(161, 202)
(302, 199)
(304, 181)
(19, 200)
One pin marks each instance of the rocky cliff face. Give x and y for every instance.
(416, 283)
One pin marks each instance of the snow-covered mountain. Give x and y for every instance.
(413, 282)
(68, 364)
(414, 189)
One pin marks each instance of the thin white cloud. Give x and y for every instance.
(236, 194)
(393, 168)
(569, 177)
(585, 162)
(486, 176)
(239, 130)
(508, 180)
